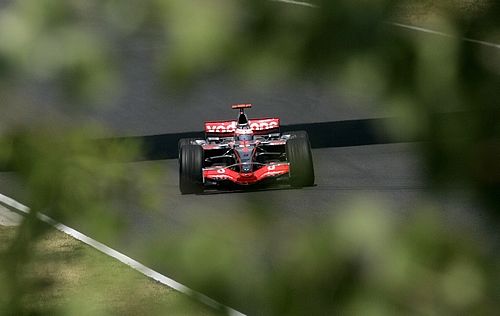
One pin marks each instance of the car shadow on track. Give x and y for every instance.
(252, 189)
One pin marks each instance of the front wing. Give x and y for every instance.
(224, 174)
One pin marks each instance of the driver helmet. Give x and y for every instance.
(243, 133)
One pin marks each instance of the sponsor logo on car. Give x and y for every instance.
(230, 126)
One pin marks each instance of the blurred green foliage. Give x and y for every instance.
(68, 177)
(359, 262)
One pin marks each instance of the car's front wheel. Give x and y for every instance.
(298, 151)
(190, 169)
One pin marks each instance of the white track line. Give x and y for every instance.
(421, 29)
(7, 201)
(302, 3)
(406, 26)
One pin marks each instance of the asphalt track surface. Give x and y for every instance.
(390, 173)
(387, 171)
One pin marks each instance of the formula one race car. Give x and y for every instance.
(243, 153)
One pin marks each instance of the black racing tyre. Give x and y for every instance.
(190, 169)
(298, 151)
(183, 142)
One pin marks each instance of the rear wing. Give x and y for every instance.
(241, 106)
(261, 126)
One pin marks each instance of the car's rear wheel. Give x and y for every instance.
(182, 142)
(298, 151)
(190, 169)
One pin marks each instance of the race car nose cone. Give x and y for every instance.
(247, 175)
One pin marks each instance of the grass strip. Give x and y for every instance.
(70, 278)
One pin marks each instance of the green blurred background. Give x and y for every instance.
(360, 260)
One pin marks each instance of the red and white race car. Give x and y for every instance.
(242, 153)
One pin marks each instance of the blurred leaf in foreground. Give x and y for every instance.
(361, 261)
(73, 177)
